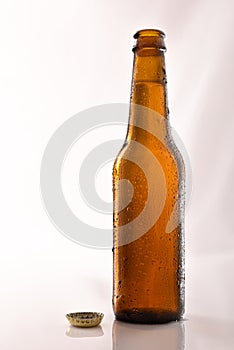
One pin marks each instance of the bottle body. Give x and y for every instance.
(148, 193)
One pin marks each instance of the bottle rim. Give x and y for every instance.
(149, 32)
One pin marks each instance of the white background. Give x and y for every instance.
(60, 57)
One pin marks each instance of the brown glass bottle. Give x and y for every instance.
(148, 192)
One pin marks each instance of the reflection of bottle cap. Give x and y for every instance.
(85, 319)
(75, 332)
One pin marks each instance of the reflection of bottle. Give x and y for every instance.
(127, 336)
(148, 268)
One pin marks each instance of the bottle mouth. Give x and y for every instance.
(149, 33)
(149, 39)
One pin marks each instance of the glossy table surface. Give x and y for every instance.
(38, 329)
(192, 333)
(36, 297)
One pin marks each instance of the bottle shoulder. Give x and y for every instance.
(166, 153)
(167, 147)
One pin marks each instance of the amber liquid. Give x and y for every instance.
(148, 284)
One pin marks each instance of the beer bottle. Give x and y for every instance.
(148, 194)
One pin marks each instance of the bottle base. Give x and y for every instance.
(148, 316)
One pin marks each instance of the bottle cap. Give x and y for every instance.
(85, 319)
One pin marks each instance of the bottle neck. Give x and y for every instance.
(149, 81)
(149, 85)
